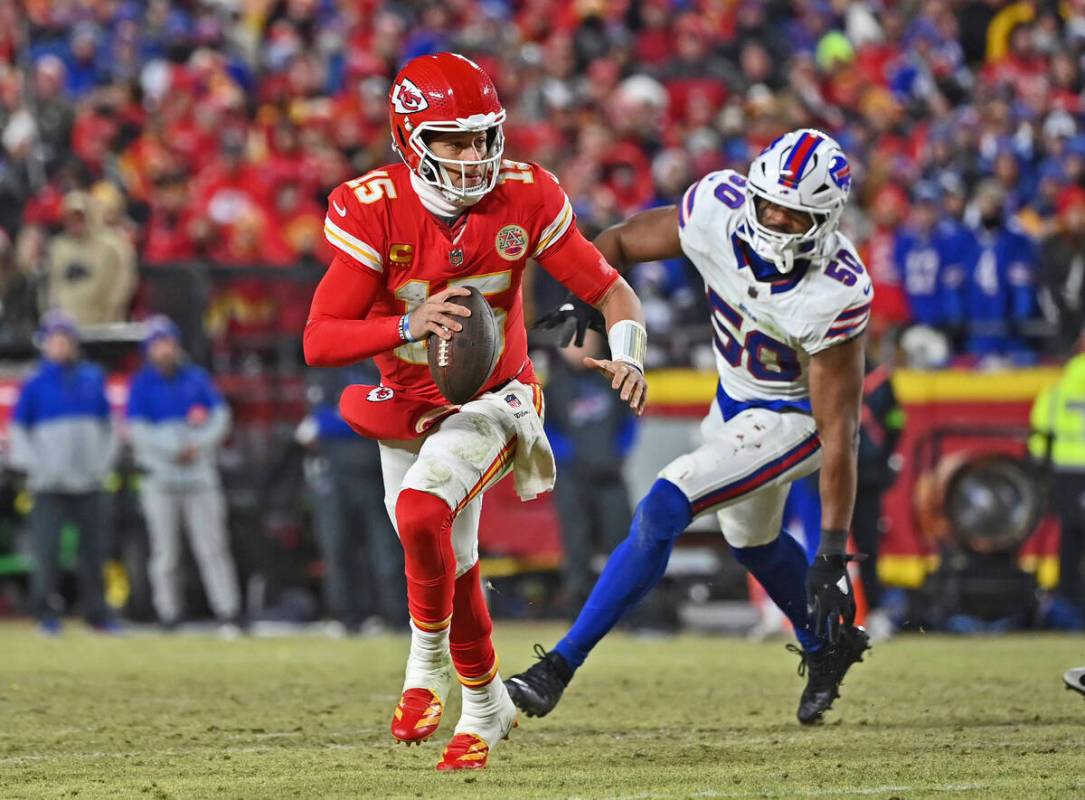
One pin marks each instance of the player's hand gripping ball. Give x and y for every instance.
(463, 347)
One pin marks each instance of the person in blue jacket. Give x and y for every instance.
(931, 254)
(1000, 296)
(62, 438)
(177, 421)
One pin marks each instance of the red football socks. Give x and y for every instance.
(469, 640)
(435, 596)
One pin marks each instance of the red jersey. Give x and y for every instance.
(393, 254)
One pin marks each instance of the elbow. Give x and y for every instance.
(312, 349)
(318, 353)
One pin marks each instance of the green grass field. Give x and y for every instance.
(691, 717)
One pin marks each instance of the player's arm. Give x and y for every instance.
(648, 236)
(337, 331)
(836, 395)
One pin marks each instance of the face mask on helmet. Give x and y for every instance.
(463, 181)
(783, 248)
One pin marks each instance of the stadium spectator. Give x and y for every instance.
(999, 285)
(363, 563)
(18, 294)
(91, 272)
(53, 111)
(890, 306)
(177, 421)
(62, 438)
(591, 432)
(1062, 273)
(931, 254)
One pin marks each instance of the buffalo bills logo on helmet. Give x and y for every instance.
(408, 98)
(840, 172)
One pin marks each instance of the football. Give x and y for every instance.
(461, 365)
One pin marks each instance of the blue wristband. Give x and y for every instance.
(405, 328)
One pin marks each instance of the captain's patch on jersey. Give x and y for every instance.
(511, 242)
(401, 253)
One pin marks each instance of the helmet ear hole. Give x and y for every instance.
(428, 169)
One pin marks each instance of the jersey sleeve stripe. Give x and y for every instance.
(352, 246)
(556, 229)
(687, 204)
(852, 313)
(849, 327)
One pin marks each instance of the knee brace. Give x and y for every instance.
(661, 516)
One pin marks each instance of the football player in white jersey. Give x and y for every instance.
(790, 300)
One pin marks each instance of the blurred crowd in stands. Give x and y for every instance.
(212, 130)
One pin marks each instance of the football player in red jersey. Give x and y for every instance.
(408, 237)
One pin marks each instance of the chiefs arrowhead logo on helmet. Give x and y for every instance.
(408, 98)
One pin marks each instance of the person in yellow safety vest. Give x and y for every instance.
(1057, 442)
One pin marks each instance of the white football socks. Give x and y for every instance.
(488, 711)
(429, 664)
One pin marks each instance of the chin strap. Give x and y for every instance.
(787, 261)
(437, 202)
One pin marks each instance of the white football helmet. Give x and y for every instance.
(805, 170)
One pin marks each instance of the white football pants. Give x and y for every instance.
(743, 470)
(468, 453)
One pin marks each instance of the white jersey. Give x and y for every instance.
(766, 331)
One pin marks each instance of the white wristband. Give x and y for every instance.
(628, 342)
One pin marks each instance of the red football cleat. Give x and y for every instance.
(465, 751)
(417, 716)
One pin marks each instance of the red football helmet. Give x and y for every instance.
(445, 93)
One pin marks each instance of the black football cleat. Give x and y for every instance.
(1075, 679)
(536, 690)
(825, 671)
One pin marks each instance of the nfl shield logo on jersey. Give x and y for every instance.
(511, 242)
(455, 256)
(512, 400)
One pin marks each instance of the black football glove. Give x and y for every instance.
(829, 595)
(573, 317)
